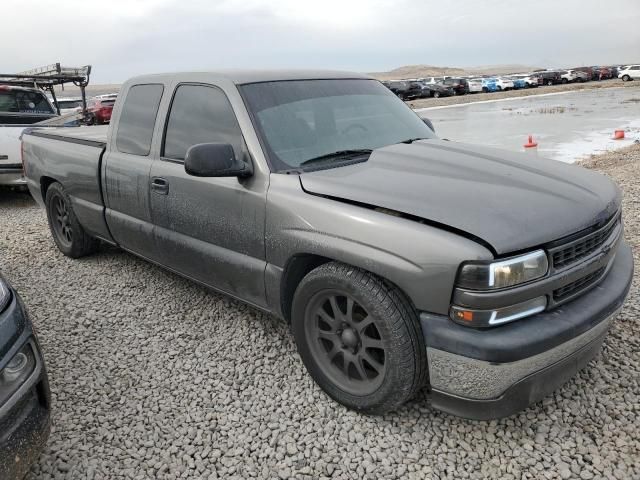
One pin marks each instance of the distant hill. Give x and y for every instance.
(418, 71)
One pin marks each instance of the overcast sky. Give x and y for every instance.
(122, 38)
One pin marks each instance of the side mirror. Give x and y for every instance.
(428, 123)
(214, 160)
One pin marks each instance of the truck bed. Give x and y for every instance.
(92, 136)
(71, 156)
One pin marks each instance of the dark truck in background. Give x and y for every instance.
(402, 261)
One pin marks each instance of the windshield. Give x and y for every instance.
(305, 119)
(24, 101)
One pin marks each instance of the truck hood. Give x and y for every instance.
(512, 201)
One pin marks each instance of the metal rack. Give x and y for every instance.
(49, 76)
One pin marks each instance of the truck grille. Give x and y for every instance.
(568, 290)
(582, 247)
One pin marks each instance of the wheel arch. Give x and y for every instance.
(45, 183)
(301, 264)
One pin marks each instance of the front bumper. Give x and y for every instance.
(25, 416)
(485, 374)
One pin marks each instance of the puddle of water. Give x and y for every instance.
(566, 127)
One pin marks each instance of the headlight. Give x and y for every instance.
(16, 372)
(504, 273)
(5, 295)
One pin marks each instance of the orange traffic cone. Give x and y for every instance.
(531, 143)
(618, 135)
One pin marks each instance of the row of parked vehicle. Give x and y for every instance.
(447, 86)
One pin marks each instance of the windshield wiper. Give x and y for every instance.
(411, 140)
(341, 154)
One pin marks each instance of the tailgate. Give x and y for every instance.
(10, 146)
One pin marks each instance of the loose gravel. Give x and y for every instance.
(155, 377)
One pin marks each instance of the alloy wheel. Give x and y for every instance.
(345, 342)
(61, 221)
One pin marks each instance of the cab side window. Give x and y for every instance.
(138, 117)
(201, 114)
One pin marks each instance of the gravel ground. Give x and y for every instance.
(155, 377)
(477, 97)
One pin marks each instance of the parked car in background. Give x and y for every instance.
(504, 83)
(531, 80)
(459, 85)
(19, 108)
(475, 85)
(432, 80)
(574, 75)
(25, 400)
(587, 72)
(107, 96)
(600, 73)
(69, 105)
(405, 90)
(518, 83)
(550, 77)
(489, 85)
(99, 110)
(629, 72)
(436, 90)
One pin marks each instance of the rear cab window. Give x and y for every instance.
(138, 118)
(24, 101)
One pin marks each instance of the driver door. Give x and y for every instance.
(209, 229)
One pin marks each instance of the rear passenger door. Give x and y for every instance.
(126, 169)
(209, 229)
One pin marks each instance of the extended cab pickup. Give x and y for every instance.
(401, 260)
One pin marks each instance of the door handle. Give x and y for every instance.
(160, 185)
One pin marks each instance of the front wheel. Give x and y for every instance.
(359, 338)
(436, 95)
(626, 78)
(549, 82)
(68, 234)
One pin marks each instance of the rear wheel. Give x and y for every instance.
(68, 234)
(564, 80)
(626, 78)
(436, 94)
(359, 338)
(549, 82)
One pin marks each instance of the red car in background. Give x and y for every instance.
(99, 109)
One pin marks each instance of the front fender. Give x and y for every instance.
(422, 260)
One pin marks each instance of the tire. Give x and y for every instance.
(485, 90)
(498, 88)
(68, 234)
(626, 78)
(565, 81)
(549, 83)
(436, 94)
(379, 377)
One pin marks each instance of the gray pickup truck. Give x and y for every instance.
(401, 261)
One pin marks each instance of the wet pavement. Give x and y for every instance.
(567, 126)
